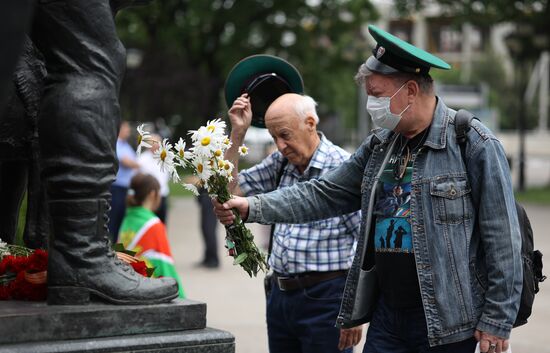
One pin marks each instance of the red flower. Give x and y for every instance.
(140, 267)
(5, 292)
(24, 290)
(19, 287)
(4, 264)
(17, 263)
(38, 261)
(231, 252)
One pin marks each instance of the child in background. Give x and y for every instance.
(143, 232)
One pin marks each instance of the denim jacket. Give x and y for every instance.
(465, 229)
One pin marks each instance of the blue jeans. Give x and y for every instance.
(404, 331)
(303, 320)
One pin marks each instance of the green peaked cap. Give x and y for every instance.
(395, 55)
(265, 78)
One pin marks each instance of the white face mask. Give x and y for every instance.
(379, 110)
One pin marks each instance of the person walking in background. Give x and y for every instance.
(209, 224)
(127, 165)
(143, 232)
(457, 279)
(149, 165)
(310, 260)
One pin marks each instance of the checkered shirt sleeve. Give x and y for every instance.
(324, 245)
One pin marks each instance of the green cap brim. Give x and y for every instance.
(250, 67)
(403, 56)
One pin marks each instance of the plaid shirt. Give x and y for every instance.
(325, 245)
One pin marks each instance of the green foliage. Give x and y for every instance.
(21, 222)
(189, 48)
(528, 39)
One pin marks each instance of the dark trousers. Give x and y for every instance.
(162, 212)
(118, 210)
(404, 331)
(208, 228)
(303, 321)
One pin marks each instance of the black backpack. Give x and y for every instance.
(531, 259)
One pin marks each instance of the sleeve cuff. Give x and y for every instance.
(495, 329)
(254, 211)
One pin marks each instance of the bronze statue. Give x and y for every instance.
(77, 127)
(20, 154)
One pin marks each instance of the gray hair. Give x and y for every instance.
(306, 106)
(425, 82)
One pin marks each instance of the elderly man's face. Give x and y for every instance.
(294, 137)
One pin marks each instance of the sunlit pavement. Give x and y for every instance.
(235, 302)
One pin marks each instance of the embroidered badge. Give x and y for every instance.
(381, 50)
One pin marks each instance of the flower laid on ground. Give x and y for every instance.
(205, 160)
(128, 256)
(23, 271)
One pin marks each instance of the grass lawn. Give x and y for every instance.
(176, 190)
(539, 196)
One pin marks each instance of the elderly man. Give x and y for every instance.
(309, 260)
(449, 273)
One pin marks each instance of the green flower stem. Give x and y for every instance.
(242, 237)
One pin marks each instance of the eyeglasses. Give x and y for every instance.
(400, 166)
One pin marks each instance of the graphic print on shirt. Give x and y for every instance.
(392, 210)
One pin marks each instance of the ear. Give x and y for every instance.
(413, 90)
(310, 123)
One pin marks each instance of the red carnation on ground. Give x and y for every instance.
(140, 267)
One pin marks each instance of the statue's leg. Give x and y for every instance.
(15, 18)
(13, 179)
(78, 124)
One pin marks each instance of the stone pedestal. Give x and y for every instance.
(176, 327)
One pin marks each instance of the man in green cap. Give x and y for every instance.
(309, 260)
(438, 267)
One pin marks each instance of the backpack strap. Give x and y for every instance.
(463, 118)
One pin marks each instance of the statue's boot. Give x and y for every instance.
(82, 264)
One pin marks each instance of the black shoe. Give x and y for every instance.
(207, 264)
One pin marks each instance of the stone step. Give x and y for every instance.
(206, 340)
(24, 322)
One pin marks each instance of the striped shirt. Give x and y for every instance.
(320, 246)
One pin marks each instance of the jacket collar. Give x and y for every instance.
(437, 136)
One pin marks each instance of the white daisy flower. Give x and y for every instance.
(180, 149)
(144, 138)
(175, 176)
(226, 143)
(195, 133)
(226, 168)
(243, 150)
(205, 144)
(165, 157)
(191, 188)
(203, 170)
(216, 127)
(4, 250)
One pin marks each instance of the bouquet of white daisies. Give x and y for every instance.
(205, 159)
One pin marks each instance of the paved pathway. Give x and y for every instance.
(235, 302)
